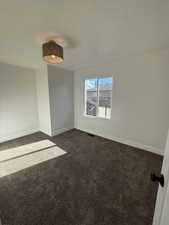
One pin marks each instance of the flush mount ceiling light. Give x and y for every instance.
(52, 52)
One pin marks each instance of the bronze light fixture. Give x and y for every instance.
(52, 52)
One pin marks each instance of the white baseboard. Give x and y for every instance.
(128, 142)
(45, 131)
(18, 134)
(138, 145)
(61, 130)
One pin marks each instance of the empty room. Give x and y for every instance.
(84, 112)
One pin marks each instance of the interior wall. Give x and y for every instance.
(140, 106)
(18, 102)
(61, 99)
(43, 99)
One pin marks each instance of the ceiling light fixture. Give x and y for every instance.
(52, 52)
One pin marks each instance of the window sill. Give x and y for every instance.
(95, 117)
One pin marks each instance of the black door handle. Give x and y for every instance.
(159, 179)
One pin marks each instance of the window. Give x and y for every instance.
(98, 93)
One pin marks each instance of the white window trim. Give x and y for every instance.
(84, 97)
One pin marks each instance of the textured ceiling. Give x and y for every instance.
(95, 30)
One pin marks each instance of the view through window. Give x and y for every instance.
(98, 95)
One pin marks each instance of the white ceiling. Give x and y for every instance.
(97, 30)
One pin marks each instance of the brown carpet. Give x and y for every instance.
(99, 182)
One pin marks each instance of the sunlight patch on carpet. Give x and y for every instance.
(25, 149)
(25, 161)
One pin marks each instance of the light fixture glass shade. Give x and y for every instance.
(52, 52)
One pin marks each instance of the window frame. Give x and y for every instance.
(84, 96)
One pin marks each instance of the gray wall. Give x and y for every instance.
(61, 99)
(140, 105)
(18, 102)
(43, 99)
